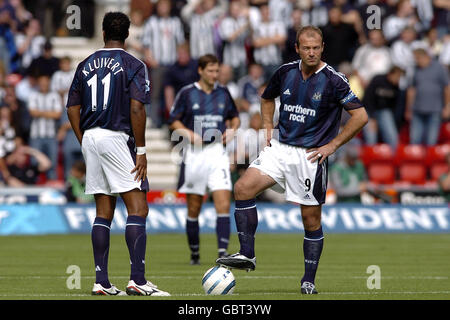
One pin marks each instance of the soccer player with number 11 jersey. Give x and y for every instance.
(106, 110)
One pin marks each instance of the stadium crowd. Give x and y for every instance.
(395, 54)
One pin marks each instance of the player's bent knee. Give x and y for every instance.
(311, 217)
(242, 191)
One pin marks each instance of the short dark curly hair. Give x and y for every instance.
(116, 25)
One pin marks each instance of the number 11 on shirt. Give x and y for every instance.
(92, 82)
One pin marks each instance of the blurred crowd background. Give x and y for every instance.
(395, 54)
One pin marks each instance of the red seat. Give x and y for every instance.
(444, 134)
(437, 170)
(410, 153)
(378, 153)
(381, 173)
(414, 173)
(437, 154)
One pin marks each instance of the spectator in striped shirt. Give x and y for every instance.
(62, 79)
(395, 23)
(134, 41)
(372, 58)
(45, 109)
(281, 10)
(234, 30)
(268, 38)
(162, 34)
(60, 83)
(202, 16)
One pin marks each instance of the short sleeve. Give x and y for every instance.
(140, 85)
(74, 97)
(344, 95)
(232, 111)
(273, 87)
(178, 109)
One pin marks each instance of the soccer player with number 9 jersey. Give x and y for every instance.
(312, 95)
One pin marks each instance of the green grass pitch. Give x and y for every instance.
(413, 266)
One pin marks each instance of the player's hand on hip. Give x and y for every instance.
(320, 154)
(140, 169)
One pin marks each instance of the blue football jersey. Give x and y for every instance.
(198, 110)
(310, 110)
(104, 84)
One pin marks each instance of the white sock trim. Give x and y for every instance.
(313, 239)
(246, 208)
(101, 225)
(135, 224)
(223, 215)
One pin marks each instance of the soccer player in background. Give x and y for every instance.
(312, 95)
(200, 114)
(106, 110)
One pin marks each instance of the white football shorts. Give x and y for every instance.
(204, 168)
(303, 181)
(110, 157)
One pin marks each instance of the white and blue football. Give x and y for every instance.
(218, 281)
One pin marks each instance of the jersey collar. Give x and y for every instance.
(320, 69)
(197, 85)
(110, 49)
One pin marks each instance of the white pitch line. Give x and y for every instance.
(242, 277)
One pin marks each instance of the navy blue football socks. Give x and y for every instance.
(312, 249)
(223, 232)
(193, 231)
(246, 218)
(100, 244)
(136, 238)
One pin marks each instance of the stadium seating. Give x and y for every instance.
(436, 154)
(410, 164)
(435, 160)
(444, 134)
(378, 153)
(378, 160)
(438, 170)
(414, 173)
(381, 173)
(410, 153)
